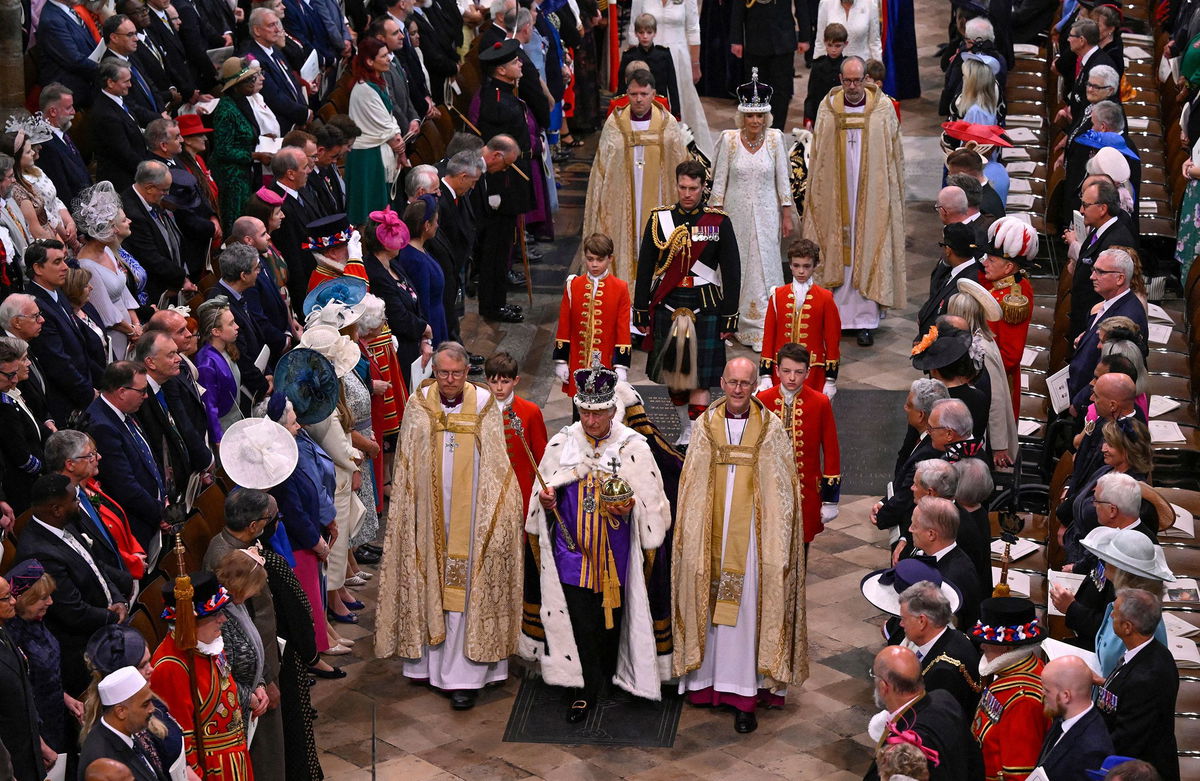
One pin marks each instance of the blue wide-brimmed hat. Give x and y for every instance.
(1098, 140)
(1111, 761)
(344, 289)
(883, 587)
(308, 380)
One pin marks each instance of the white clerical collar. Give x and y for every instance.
(1132, 652)
(1071, 722)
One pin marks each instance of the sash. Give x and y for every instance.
(675, 243)
(458, 545)
(732, 566)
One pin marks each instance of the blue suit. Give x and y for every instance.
(281, 90)
(306, 497)
(66, 168)
(265, 304)
(62, 354)
(129, 474)
(1085, 745)
(1087, 354)
(64, 44)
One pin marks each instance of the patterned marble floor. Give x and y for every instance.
(821, 733)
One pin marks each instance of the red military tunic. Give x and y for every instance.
(593, 317)
(1009, 723)
(226, 757)
(816, 325)
(1012, 329)
(810, 424)
(534, 428)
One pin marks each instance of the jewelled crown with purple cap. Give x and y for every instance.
(595, 387)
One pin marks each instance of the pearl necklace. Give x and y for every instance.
(753, 145)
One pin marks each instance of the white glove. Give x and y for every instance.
(622, 373)
(494, 201)
(829, 511)
(764, 382)
(354, 246)
(561, 371)
(830, 389)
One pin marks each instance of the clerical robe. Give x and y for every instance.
(450, 597)
(633, 172)
(576, 465)
(857, 181)
(740, 620)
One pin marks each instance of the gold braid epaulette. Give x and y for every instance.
(962, 668)
(679, 240)
(715, 210)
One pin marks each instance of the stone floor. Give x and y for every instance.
(821, 732)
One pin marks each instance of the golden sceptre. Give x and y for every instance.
(515, 422)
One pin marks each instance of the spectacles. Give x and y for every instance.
(9, 597)
(1103, 271)
(1097, 86)
(10, 375)
(939, 428)
(456, 374)
(738, 383)
(144, 390)
(269, 518)
(39, 317)
(1085, 204)
(851, 81)
(937, 207)
(92, 456)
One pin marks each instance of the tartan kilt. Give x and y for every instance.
(710, 347)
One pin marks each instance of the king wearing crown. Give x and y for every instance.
(594, 530)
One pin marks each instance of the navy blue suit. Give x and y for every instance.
(64, 44)
(266, 305)
(66, 167)
(304, 23)
(63, 356)
(1083, 746)
(1083, 295)
(129, 476)
(117, 143)
(306, 497)
(249, 341)
(289, 103)
(1087, 354)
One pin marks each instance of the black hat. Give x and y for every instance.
(1010, 621)
(960, 238)
(183, 194)
(326, 232)
(208, 596)
(500, 53)
(944, 348)
(115, 646)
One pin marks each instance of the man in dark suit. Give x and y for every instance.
(958, 253)
(281, 89)
(182, 390)
(896, 510)
(155, 238)
(455, 239)
(198, 224)
(170, 46)
(64, 45)
(60, 347)
(968, 161)
(85, 595)
(264, 302)
(437, 48)
(59, 158)
(188, 40)
(1099, 206)
(933, 715)
(1077, 738)
(147, 95)
(21, 317)
(1083, 41)
(127, 467)
(290, 168)
(116, 136)
(18, 707)
(949, 660)
(326, 180)
(239, 271)
(126, 707)
(303, 21)
(407, 115)
(176, 461)
(169, 76)
(1105, 116)
(934, 531)
(1109, 277)
(1138, 697)
(766, 38)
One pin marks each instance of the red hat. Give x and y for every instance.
(190, 125)
(992, 135)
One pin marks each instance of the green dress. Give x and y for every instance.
(231, 162)
(367, 181)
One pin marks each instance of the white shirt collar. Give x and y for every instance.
(923, 650)
(938, 556)
(1132, 652)
(59, 533)
(1108, 224)
(602, 276)
(120, 415)
(294, 193)
(1068, 723)
(1087, 56)
(955, 271)
(149, 206)
(1106, 305)
(154, 386)
(128, 741)
(119, 100)
(971, 218)
(53, 293)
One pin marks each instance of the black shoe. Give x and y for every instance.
(463, 699)
(744, 722)
(516, 308)
(516, 278)
(331, 675)
(370, 548)
(865, 338)
(476, 360)
(505, 314)
(577, 712)
(363, 556)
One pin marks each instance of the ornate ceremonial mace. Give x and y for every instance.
(515, 422)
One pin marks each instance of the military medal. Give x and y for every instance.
(991, 706)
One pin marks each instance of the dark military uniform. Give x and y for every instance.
(952, 664)
(688, 264)
(501, 111)
(769, 33)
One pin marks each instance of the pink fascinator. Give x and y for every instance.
(269, 197)
(390, 229)
(912, 738)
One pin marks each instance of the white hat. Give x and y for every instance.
(258, 453)
(116, 687)
(1130, 550)
(334, 313)
(340, 351)
(883, 587)
(988, 302)
(1110, 162)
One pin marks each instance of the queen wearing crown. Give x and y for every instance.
(599, 519)
(751, 183)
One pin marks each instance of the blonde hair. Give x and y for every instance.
(978, 89)
(37, 592)
(966, 307)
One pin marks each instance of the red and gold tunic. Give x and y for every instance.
(1009, 723)
(534, 429)
(809, 422)
(1013, 328)
(387, 410)
(593, 317)
(218, 714)
(816, 325)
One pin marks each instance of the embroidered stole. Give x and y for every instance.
(732, 566)
(457, 549)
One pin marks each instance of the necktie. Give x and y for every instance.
(66, 137)
(1091, 239)
(144, 747)
(139, 441)
(74, 544)
(1053, 735)
(920, 656)
(94, 514)
(169, 231)
(162, 400)
(287, 74)
(143, 86)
